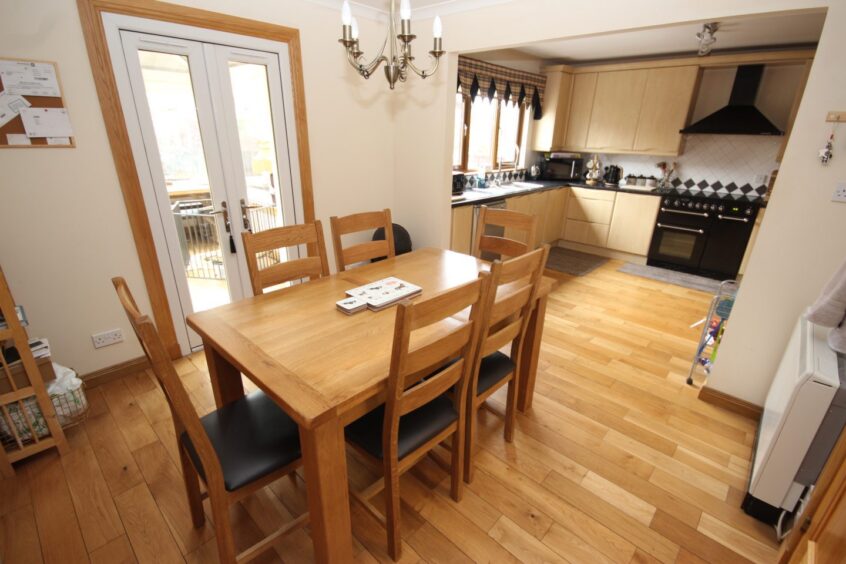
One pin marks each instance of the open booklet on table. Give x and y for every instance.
(378, 295)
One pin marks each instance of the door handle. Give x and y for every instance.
(224, 210)
(740, 219)
(686, 229)
(245, 217)
(681, 212)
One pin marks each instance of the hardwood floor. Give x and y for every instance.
(617, 461)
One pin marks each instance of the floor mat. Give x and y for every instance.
(573, 262)
(683, 279)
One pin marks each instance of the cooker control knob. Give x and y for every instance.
(690, 205)
(677, 203)
(667, 202)
(721, 208)
(748, 211)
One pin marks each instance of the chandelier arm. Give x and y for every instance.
(368, 68)
(423, 73)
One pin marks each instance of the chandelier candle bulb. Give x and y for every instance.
(354, 30)
(346, 13)
(437, 30)
(405, 10)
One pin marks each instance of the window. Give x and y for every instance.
(488, 132)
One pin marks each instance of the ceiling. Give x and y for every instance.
(747, 33)
(379, 9)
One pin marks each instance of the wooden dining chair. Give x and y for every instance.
(236, 449)
(279, 238)
(362, 251)
(513, 290)
(418, 414)
(504, 246)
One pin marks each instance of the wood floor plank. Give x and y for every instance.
(20, 537)
(511, 505)
(615, 495)
(116, 462)
(694, 541)
(95, 510)
(571, 547)
(58, 527)
(433, 546)
(146, 528)
(165, 483)
(118, 551)
(14, 493)
(133, 425)
(520, 543)
(738, 541)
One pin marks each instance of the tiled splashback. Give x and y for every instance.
(712, 162)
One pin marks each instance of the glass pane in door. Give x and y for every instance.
(253, 113)
(170, 97)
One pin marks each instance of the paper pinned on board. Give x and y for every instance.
(17, 139)
(26, 78)
(10, 106)
(46, 122)
(58, 141)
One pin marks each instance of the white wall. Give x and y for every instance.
(804, 237)
(63, 226)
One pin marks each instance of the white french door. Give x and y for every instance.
(214, 145)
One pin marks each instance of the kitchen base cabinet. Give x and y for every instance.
(632, 223)
(586, 233)
(462, 229)
(556, 209)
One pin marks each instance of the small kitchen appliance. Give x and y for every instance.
(562, 166)
(613, 174)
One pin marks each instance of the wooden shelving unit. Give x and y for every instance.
(16, 405)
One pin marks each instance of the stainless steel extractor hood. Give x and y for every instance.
(740, 116)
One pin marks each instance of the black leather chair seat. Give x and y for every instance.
(252, 436)
(415, 428)
(493, 369)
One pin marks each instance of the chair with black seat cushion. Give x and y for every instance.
(236, 450)
(518, 237)
(513, 291)
(431, 361)
(366, 251)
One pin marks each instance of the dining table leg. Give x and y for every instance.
(529, 358)
(225, 379)
(325, 465)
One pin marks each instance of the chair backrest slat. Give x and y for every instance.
(503, 246)
(184, 414)
(363, 251)
(280, 238)
(511, 297)
(444, 344)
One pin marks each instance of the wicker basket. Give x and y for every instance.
(71, 409)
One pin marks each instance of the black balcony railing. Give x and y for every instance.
(200, 243)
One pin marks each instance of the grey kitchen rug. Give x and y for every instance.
(683, 279)
(573, 262)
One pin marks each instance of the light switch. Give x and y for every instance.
(839, 193)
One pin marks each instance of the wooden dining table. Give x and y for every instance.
(326, 368)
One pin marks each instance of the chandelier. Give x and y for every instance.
(399, 60)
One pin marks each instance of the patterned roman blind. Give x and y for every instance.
(488, 80)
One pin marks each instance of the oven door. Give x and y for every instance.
(726, 246)
(677, 244)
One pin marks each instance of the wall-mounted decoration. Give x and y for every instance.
(32, 111)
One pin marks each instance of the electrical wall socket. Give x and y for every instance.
(107, 338)
(839, 193)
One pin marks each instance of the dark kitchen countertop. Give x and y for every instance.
(479, 196)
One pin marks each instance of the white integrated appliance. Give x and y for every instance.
(803, 416)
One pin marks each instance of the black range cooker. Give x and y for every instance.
(703, 234)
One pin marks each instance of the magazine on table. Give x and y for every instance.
(385, 292)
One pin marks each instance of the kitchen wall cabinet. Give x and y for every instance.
(632, 223)
(667, 103)
(616, 109)
(462, 228)
(589, 216)
(548, 132)
(579, 111)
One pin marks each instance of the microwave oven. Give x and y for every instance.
(562, 166)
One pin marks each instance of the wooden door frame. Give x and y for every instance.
(90, 14)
